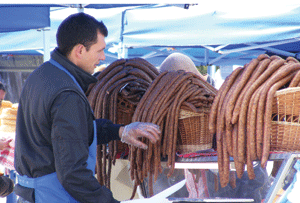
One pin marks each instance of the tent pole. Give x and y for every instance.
(46, 42)
(206, 56)
(123, 51)
(80, 8)
(211, 69)
(121, 45)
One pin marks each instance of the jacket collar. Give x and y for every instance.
(83, 78)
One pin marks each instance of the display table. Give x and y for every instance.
(210, 161)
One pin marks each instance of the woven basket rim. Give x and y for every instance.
(286, 123)
(185, 149)
(287, 90)
(186, 113)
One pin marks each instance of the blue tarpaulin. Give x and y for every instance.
(20, 18)
(210, 33)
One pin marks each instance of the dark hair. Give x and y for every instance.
(79, 28)
(2, 87)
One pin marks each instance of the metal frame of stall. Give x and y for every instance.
(204, 162)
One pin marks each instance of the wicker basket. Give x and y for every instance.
(285, 135)
(193, 131)
(125, 111)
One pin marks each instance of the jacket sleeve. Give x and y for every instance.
(70, 142)
(107, 131)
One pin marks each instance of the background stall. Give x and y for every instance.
(212, 33)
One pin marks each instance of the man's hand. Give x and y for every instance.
(131, 132)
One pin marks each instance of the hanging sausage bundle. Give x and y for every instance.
(241, 114)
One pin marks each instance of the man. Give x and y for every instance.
(55, 133)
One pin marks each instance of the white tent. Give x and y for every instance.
(211, 33)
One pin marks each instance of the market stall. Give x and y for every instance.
(234, 131)
(249, 82)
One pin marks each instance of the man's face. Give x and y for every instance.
(92, 57)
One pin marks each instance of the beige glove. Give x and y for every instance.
(135, 130)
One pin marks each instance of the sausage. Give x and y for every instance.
(239, 166)
(145, 96)
(257, 72)
(143, 83)
(220, 138)
(197, 80)
(108, 173)
(219, 99)
(99, 85)
(119, 62)
(224, 105)
(263, 56)
(245, 102)
(173, 125)
(104, 149)
(156, 163)
(241, 110)
(140, 74)
(251, 123)
(226, 165)
(150, 181)
(295, 81)
(268, 115)
(275, 57)
(228, 139)
(189, 106)
(174, 115)
(292, 59)
(244, 78)
(99, 164)
(142, 67)
(139, 163)
(151, 102)
(101, 95)
(281, 73)
(220, 156)
(167, 91)
(250, 169)
(146, 63)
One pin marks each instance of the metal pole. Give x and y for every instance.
(46, 42)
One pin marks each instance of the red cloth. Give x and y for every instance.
(197, 189)
(7, 154)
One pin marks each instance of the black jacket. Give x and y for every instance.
(55, 129)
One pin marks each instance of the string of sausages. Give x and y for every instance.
(122, 80)
(161, 103)
(241, 113)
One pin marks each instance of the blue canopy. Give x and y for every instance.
(209, 33)
(23, 17)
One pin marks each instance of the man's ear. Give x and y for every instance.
(78, 50)
(76, 53)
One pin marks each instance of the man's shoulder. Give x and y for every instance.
(48, 79)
